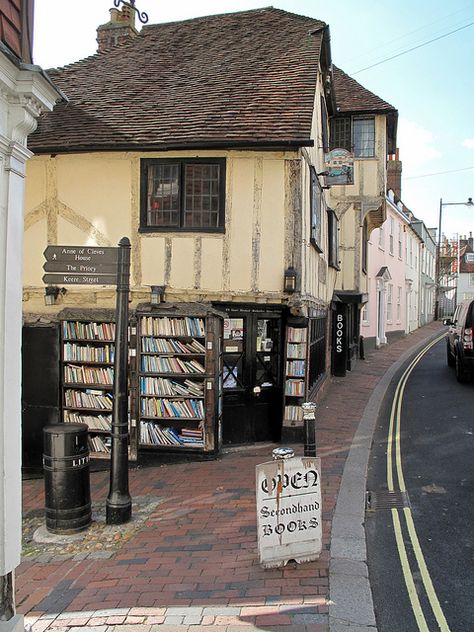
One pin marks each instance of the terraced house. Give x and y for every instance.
(204, 142)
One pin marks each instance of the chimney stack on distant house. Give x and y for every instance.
(119, 29)
(394, 174)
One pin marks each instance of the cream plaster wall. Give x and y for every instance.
(352, 203)
(270, 227)
(94, 199)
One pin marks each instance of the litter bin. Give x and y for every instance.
(66, 478)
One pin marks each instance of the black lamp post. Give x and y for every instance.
(438, 250)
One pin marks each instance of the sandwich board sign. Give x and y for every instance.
(289, 510)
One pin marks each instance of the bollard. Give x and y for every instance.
(309, 428)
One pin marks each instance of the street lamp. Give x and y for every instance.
(438, 249)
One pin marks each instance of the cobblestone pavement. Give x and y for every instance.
(189, 556)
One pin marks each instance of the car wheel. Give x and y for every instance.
(460, 372)
(449, 356)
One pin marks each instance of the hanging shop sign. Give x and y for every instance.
(289, 510)
(339, 167)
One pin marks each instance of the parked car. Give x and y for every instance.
(460, 340)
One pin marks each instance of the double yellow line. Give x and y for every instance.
(394, 467)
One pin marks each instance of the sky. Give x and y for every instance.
(417, 56)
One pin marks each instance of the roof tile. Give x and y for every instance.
(239, 77)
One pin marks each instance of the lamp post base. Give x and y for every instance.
(118, 512)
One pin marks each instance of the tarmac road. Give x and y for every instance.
(434, 518)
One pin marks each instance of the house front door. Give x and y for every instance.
(252, 376)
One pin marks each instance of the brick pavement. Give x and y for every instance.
(189, 557)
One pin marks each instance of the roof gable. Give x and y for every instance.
(241, 78)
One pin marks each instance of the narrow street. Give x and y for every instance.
(420, 514)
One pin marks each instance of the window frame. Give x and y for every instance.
(333, 239)
(389, 317)
(316, 196)
(361, 119)
(145, 163)
(342, 134)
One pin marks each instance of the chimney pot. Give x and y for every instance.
(120, 28)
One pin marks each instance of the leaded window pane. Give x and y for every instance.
(163, 195)
(364, 138)
(201, 205)
(341, 133)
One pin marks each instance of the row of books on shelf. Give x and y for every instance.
(164, 386)
(73, 330)
(293, 413)
(294, 388)
(166, 326)
(88, 375)
(99, 444)
(154, 434)
(86, 353)
(157, 407)
(89, 398)
(296, 334)
(94, 422)
(294, 350)
(171, 345)
(295, 367)
(160, 364)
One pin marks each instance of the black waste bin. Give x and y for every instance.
(66, 478)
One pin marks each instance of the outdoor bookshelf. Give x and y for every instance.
(296, 362)
(178, 403)
(87, 370)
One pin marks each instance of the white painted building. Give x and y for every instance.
(25, 91)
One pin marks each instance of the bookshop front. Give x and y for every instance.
(200, 376)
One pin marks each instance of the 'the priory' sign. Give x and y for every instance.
(289, 510)
(81, 265)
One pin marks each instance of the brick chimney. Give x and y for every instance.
(394, 174)
(118, 30)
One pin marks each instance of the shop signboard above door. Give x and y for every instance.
(80, 265)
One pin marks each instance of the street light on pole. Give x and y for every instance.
(438, 249)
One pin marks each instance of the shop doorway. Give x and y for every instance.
(252, 376)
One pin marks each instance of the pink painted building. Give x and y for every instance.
(393, 272)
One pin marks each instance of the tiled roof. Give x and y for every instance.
(354, 98)
(239, 78)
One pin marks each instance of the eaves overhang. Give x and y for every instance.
(264, 145)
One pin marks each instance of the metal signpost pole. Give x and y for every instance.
(119, 502)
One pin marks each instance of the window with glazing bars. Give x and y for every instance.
(341, 133)
(363, 136)
(317, 348)
(354, 134)
(182, 194)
